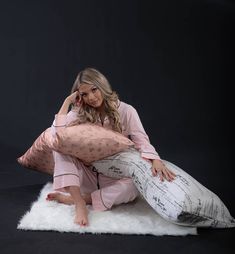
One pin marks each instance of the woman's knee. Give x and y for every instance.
(129, 189)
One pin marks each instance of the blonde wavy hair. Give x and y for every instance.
(87, 113)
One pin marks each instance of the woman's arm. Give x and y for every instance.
(65, 107)
(63, 117)
(138, 135)
(142, 143)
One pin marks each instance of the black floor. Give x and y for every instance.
(20, 187)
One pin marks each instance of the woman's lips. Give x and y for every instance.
(93, 103)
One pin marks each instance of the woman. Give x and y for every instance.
(93, 100)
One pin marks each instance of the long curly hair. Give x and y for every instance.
(87, 113)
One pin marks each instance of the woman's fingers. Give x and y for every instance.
(161, 175)
(154, 171)
(158, 172)
(167, 175)
(164, 173)
(171, 174)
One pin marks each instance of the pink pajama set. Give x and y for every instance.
(105, 191)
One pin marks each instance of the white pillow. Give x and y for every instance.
(183, 201)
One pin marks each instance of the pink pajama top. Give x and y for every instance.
(131, 128)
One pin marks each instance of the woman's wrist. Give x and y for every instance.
(64, 108)
(156, 161)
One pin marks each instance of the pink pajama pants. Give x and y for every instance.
(105, 191)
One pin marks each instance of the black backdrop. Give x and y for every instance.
(170, 59)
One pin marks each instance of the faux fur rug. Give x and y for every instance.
(133, 218)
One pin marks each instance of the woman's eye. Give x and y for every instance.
(84, 95)
(94, 89)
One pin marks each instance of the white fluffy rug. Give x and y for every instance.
(133, 218)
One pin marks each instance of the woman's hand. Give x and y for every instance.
(160, 169)
(74, 98)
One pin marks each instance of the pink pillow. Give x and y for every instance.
(39, 156)
(87, 142)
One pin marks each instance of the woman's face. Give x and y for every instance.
(91, 95)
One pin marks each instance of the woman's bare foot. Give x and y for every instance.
(61, 198)
(81, 213)
(67, 199)
(80, 207)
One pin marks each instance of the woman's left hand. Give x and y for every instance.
(160, 169)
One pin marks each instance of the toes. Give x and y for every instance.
(84, 222)
(51, 196)
(81, 223)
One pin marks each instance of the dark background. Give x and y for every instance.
(171, 60)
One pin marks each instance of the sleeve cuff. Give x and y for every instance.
(60, 120)
(150, 156)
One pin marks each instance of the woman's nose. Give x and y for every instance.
(91, 96)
